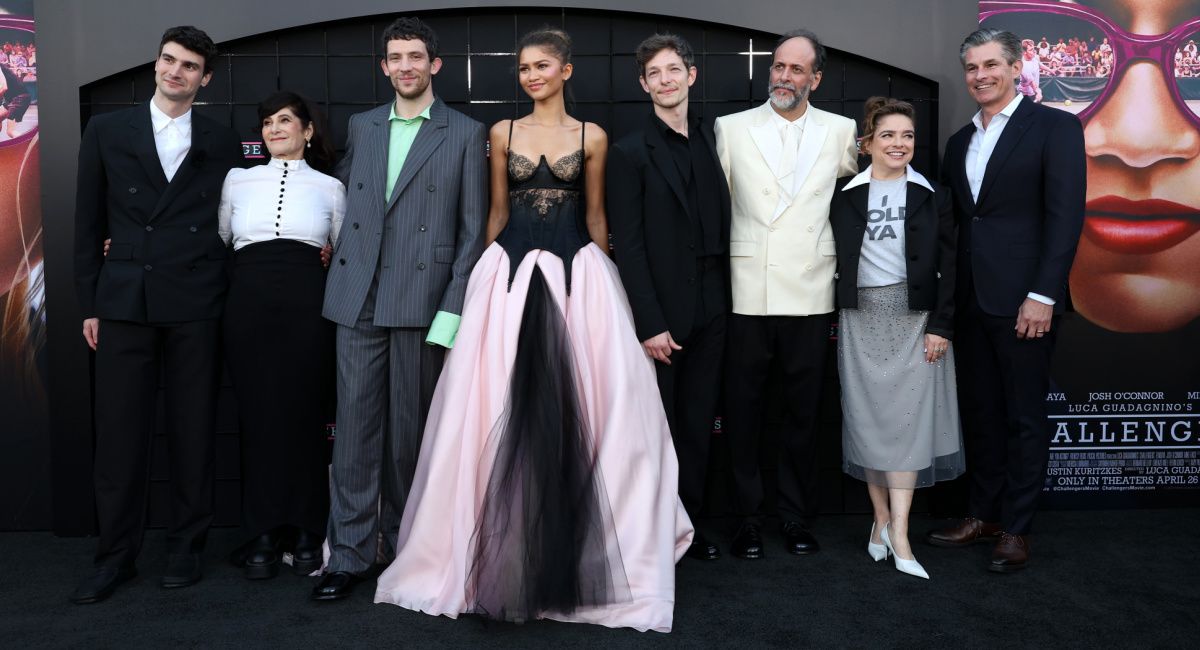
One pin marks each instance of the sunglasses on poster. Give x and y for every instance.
(1127, 48)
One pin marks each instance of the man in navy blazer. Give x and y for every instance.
(150, 180)
(1018, 175)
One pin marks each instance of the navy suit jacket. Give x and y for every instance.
(1020, 235)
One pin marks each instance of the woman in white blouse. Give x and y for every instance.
(278, 217)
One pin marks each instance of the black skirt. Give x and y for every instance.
(280, 353)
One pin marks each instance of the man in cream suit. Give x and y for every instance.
(782, 160)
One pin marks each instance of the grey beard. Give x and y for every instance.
(799, 96)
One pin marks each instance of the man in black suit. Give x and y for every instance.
(150, 180)
(1018, 175)
(668, 207)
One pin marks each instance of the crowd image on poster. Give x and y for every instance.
(1126, 405)
(24, 456)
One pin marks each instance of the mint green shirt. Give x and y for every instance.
(401, 134)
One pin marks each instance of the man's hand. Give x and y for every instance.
(1033, 319)
(91, 332)
(659, 347)
(107, 245)
(326, 254)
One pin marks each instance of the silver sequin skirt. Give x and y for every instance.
(900, 425)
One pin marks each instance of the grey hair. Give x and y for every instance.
(818, 48)
(1010, 43)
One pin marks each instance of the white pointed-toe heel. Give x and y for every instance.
(911, 567)
(876, 551)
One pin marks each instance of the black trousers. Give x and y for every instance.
(798, 346)
(690, 388)
(1002, 385)
(129, 360)
(281, 360)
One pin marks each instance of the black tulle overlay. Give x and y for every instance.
(539, 544)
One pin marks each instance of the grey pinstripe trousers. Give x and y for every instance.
(385, 381)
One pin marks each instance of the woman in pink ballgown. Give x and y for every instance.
(547, 481)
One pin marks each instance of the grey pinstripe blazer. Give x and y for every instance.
(425, 239)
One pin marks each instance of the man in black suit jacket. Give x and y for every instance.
(150, 180)
(668, 208)
(1018, 175)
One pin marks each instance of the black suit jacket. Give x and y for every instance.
(652, 231)
(166, 263)
(1020, 236)
(929, 241)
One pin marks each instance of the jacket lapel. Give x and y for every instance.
(914, 197)
(810, 144)
(957, 160)
(660, 157)
(145, 149)
(195, 159)
(379, 148)
(430, 136)
(1016, 127)
(766, 138)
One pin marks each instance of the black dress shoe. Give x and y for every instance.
(306, 555)
(747, 543)
(262, 557)
(702, 549)
(797, 540)
(101, 584)
(335, 586)
(183, 570)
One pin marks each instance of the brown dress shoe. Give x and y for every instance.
(966, 532)
(1011, 554)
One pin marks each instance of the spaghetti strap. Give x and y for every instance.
(508, 146)
(582, 131)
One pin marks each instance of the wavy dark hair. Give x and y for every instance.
(193, 39)
(649, 48)
(319, 155)
(408, 29)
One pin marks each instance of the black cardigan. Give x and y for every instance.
(929, 246)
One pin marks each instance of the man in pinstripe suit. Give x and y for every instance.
(415, 176)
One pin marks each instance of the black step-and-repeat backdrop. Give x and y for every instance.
(1127, 401)
(24, 442)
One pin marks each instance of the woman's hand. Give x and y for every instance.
(935, 347)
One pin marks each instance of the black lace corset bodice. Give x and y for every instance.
(545, 209)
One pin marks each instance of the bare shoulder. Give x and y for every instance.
(594, 136)
(498, 134)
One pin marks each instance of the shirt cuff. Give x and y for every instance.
(443, 329)
(1042, 299)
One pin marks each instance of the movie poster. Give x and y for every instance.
(24, 445)
(1125, 407)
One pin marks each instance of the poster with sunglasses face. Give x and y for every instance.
(24, 451)
(1127, 368)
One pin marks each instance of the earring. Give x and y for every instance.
(308, 144)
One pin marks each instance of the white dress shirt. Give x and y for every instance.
(172, 138)
(790, 134)
(283, 199)
(979, 151)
